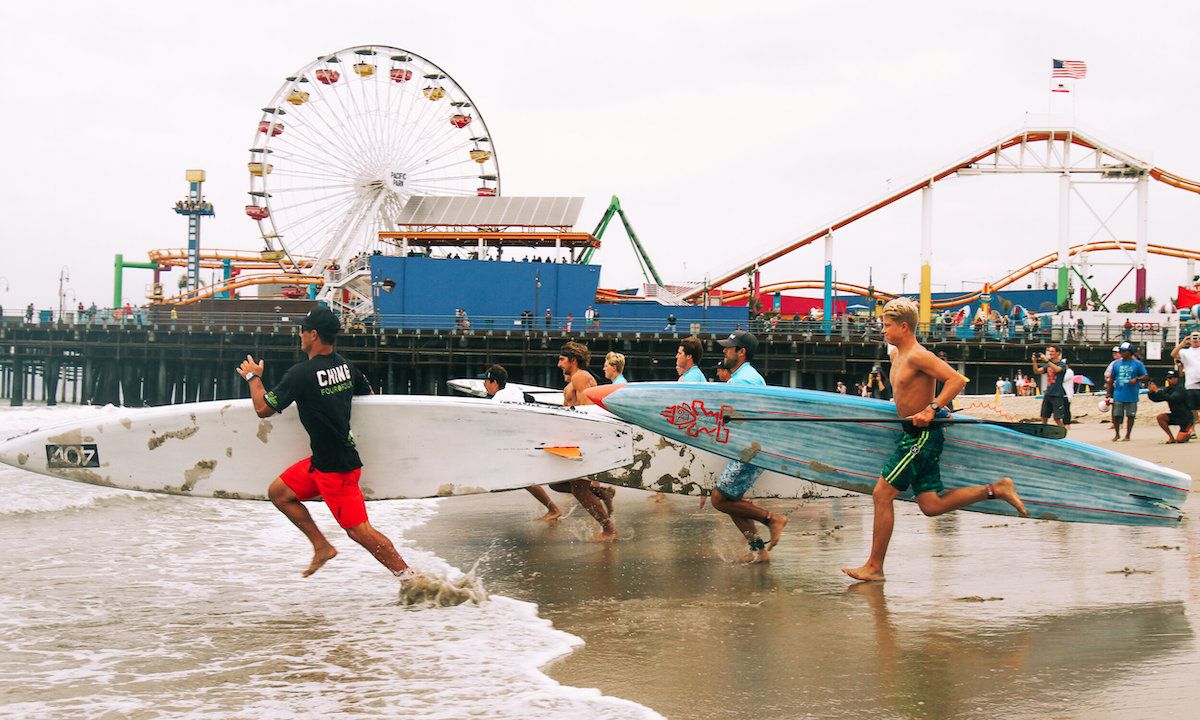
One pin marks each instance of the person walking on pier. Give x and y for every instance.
(573, 360)
(322, 387)
(495, 384)
(737, 478)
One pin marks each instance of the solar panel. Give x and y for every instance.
(491, 211)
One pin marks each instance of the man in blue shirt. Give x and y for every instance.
(687, 360)
(737, 478)
(1127, 373)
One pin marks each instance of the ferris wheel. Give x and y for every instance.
(347, 139)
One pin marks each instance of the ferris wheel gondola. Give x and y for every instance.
(347, 139)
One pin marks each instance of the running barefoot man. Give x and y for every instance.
(573, 360)
(322, 388)
(495, 383)
(737, 477)
(919, 447)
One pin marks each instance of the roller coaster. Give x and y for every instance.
(1038, 150)
(970, 297)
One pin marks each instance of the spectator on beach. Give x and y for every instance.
(1054, 400)
(841, 387)
(722, 372)
(1127, 374)
(1187, 355)
(874, 383)
(1180, 409)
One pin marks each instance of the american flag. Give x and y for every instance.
(1076, 69)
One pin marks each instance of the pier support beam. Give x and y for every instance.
(17, 399)
(827, 320)
(1143, 211)
(1064, 236)
(926, 310)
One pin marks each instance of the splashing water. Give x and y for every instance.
(427, 589)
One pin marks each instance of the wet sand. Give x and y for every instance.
(981, 615)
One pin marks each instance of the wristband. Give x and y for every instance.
(249, 376)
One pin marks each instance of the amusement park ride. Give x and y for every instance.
(349, 139)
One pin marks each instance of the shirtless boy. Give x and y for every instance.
(918, 449)
(572, 360)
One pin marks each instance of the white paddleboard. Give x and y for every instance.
(411, 447)
(661, 464)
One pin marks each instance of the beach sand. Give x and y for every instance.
(980, 616)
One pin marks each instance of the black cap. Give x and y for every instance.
(496, 373)
(322, 320)
(1172, 373)
(740, 339)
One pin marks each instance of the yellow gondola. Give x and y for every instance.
(364, 69)
(297, 97)
(258, 169)
(434, 93)
(480, 156)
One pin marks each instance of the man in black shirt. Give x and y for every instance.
(322, 388)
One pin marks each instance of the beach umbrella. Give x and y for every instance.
(1083, 380)
(856, 307)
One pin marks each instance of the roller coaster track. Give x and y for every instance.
(991, 159)
(999, 284)
(215, 259)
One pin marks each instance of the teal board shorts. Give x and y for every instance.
(736, 479)
(915, 461)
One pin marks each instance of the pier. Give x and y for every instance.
(192, 360)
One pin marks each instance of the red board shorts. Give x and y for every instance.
(339, 490)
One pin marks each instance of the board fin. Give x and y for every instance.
(570, 452)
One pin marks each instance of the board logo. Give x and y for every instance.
(72, 456)
(693, 418)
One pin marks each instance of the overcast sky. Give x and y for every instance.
(725, 128)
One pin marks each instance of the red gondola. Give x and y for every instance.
(257, 212)
(266, 127)
(401, 75)
(326, 76)
(486, 192)
(460, 121)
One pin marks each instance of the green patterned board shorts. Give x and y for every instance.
(915, 462)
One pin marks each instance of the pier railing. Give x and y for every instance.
(843, 329)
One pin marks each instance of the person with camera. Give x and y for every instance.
(1054, 400)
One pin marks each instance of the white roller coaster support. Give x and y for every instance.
(1143, 208)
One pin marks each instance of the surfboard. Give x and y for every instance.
(659, 463)
(411, 447)
(1057, 479)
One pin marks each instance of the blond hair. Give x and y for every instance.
(617, 360)
(902, 310)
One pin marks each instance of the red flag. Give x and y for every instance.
(1187, 298)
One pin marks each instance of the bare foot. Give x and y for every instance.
(608, 535)
(755, 556)
(1005, 491)
(320, 557)
(608, 494)
(1126, 438)
(553, 513)
(866, 573)
(776, 522)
